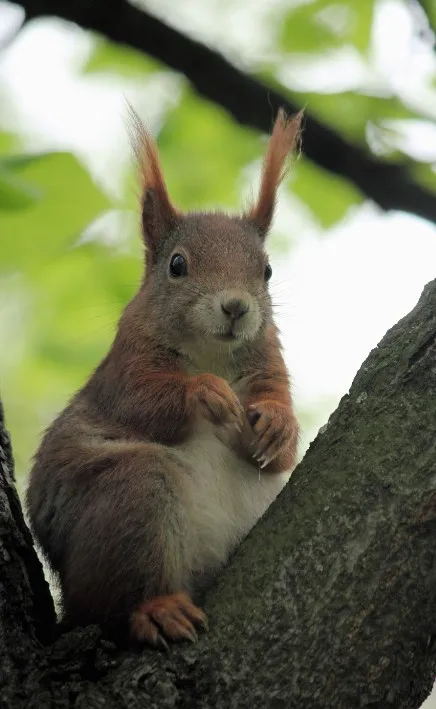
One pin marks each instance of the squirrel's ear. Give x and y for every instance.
(159, 216)
(283, 140)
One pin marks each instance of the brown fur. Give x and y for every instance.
(275, 166)
(115, 493)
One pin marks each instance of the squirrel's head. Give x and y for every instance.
(207, 273)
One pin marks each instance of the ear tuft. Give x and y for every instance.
(158, 214)
(284, 138)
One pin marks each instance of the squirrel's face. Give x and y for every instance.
(210, 282)
(207, 274)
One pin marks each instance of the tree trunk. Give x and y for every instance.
(330, 602)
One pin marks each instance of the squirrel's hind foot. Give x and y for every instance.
(171, 617)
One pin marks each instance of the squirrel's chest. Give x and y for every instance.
(225, 496)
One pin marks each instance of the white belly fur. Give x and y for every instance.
(226, 496)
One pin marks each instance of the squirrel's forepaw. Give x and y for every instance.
(172, 617)
(275, 431)
(217, 401)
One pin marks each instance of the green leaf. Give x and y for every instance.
(8, 142)
(301, 32)
(110, 58)
(15, 193)
(203, 152)
(91, 284)
(327, 196)
(327, 24)
(360, 25)
(425, 175)
(68, 200)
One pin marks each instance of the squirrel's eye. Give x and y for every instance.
(178, 266)
(268, 272)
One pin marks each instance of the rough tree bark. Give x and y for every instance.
(330, 602)
(391, 185)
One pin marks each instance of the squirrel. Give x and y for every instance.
(185, 432)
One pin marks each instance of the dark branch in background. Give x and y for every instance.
(249, 101)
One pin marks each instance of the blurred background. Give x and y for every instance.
(354, 241)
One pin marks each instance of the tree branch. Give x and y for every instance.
(330, 603)
(249, 101)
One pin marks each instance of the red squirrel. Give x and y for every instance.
(185, 433)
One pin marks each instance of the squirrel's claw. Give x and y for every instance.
(162, 643)
(272, 431)
(173, 617)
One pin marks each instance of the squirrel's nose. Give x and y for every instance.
(235, 308)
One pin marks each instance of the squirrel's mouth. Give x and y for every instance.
(229, 336)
